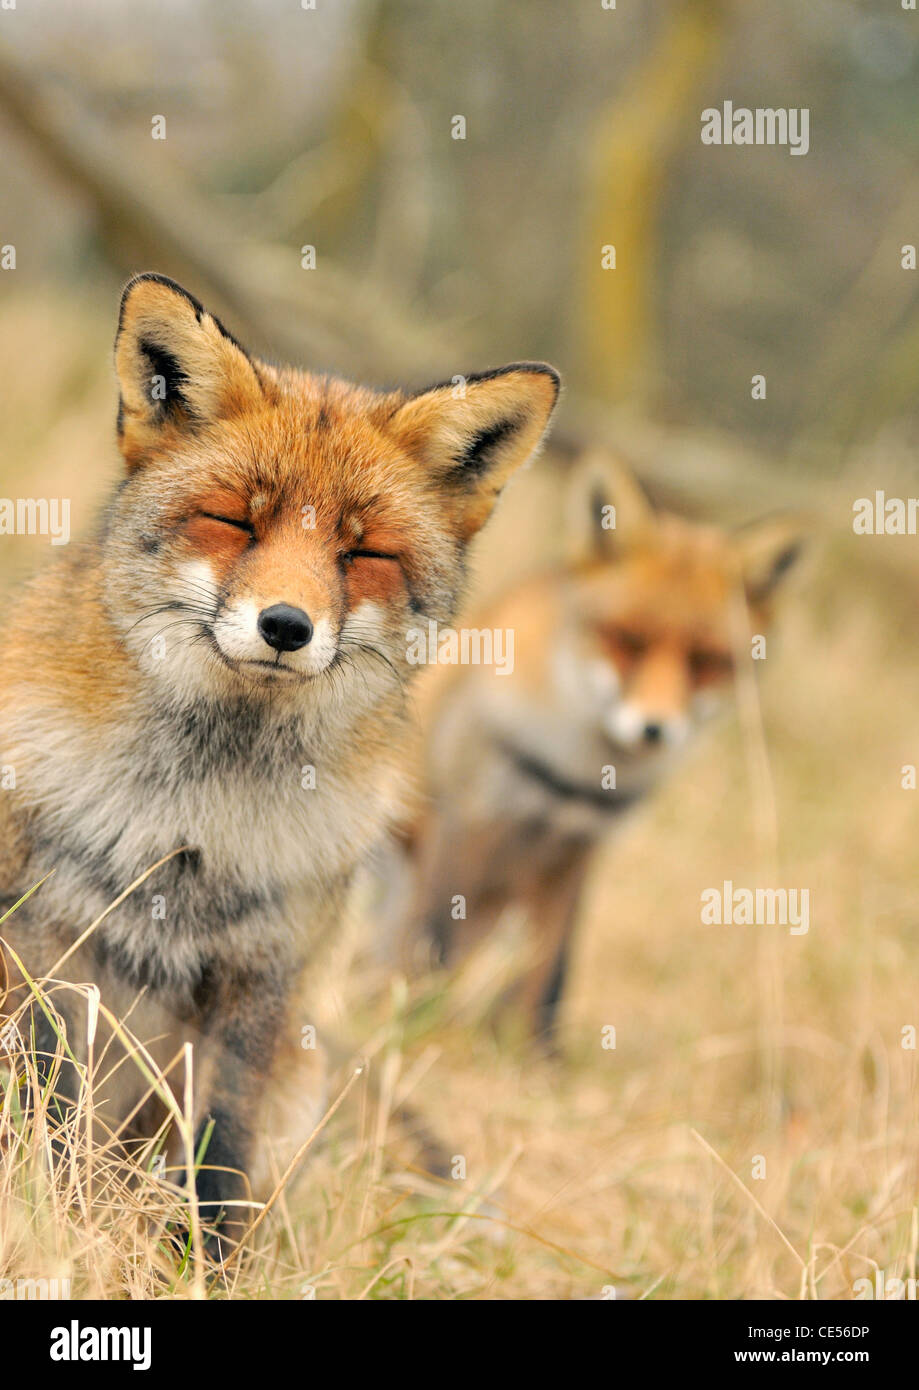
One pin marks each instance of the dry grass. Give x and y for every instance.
(629, 1167)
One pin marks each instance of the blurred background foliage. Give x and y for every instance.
(332, 128)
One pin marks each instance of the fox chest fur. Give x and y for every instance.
(269, 814)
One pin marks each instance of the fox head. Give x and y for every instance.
(277, 527)
(653, 603)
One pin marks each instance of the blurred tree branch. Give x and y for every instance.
(148, 219)
(628, 163)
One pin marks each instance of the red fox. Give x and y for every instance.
(219, 674)
(618, 655)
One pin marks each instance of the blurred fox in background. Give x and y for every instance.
(620, 653)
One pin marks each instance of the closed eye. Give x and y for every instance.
(231, 521)
(710, 664)
(632, 643)
(351, 555)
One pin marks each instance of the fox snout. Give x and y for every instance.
(653, 704)
(252, 632)
(280, 604)
(634, 726)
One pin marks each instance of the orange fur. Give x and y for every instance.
(153, 708)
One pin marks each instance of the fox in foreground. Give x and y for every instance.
(217, 679)
(620, 653)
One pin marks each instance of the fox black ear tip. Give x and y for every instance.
(154, 277)
(128, 289)
(543, 369)
(540, 369)
(141, 277)
(554, 376)
(134, 282)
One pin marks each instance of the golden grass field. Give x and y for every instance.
(628, 1168)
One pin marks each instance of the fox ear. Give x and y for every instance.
(767, 550)
(607, 508)
(177, 366)
(472, 434)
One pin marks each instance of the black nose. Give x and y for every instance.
(285, 628)
(654, 733)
